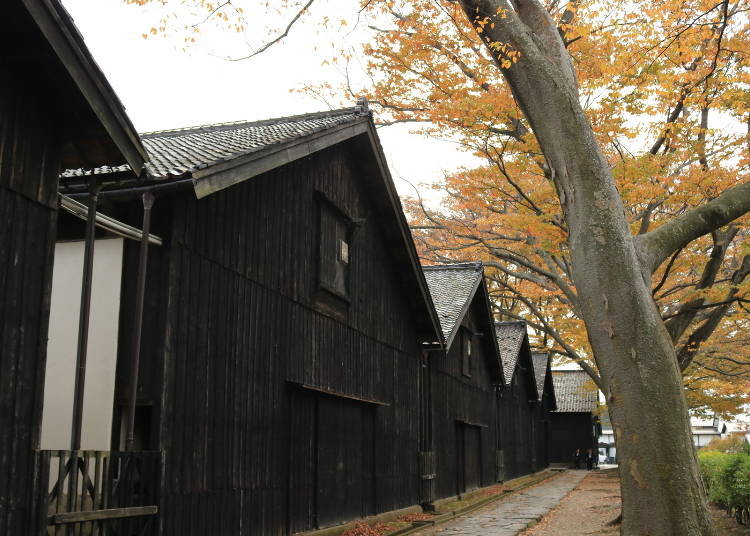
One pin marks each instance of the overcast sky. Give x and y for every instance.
(164, 87)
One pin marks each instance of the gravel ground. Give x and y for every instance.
(589, 508)
(586, 510)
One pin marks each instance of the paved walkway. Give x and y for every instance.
(511, 515)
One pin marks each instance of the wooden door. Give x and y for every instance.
(472, 457)
(302, 461)
(345, 460)
(469, 453)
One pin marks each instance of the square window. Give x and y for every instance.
(466, 349)
(335, 231)
(343, 252)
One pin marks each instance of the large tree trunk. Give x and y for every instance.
(662, 490)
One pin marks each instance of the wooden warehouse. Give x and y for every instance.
(575, 423)
(517, 402)
(543, 409)
(56, 110)
(463, 380)
(284, 318)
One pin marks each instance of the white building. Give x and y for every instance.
(607, 448)
(706, 430)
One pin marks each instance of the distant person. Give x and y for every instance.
(577, 458)
(589, 460)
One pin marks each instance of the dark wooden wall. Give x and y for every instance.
(464, 420)
(517, 420)
(150, 375)
(542, 426)
(571, 431)
(247, 328)
(29, 166)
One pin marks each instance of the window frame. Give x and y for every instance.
(325, 204)
(467, 361)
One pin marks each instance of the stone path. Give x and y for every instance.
(511, 515)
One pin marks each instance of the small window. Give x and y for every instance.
(466, 349)
(335, 255)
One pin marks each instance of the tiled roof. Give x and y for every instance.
(509, 340)
(540, 370)
(177, 153)
(575, 391)
(452, 287)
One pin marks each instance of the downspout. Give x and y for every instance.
(148, 203)
(83, 318)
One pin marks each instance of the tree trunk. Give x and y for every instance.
(662, 491)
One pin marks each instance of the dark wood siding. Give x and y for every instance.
(518, 418)
(464, 420)
(345, 460)
(544, 422)
(470, 457)
(29, 166)
(248, 324)
(150, 375)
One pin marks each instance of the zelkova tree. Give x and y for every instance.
(611, 269)
(618, 249)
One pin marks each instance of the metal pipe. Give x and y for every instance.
(133, 191)
(103, 221)
(83, 317)
(148, 202)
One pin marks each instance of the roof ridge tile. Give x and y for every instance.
(234, 125)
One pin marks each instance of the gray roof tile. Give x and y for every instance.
(452, 287)
(177, 153)
(575, 391)
(509, 340)
(540, 361)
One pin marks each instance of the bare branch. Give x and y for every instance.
(280, 36)
(666, 272)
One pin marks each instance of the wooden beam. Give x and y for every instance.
(472, 423)
(97, 515)
(338, 394)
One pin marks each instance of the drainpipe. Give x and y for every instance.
(83, 318)
(148, 202)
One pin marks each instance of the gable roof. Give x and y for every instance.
(540, 360)
(575, 391)
(452, 288)
(41, 39)
(214, 157)
(543, 375)
(510, 336)
(189, 152)
(515, 354)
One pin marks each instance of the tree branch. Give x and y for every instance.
(666, 272)
(678, 322)
(553, 333)
(654, 247)
(280, 36)
(689, 350)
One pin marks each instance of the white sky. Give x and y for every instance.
(164, 87)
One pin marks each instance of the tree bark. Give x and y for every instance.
(662, 490)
